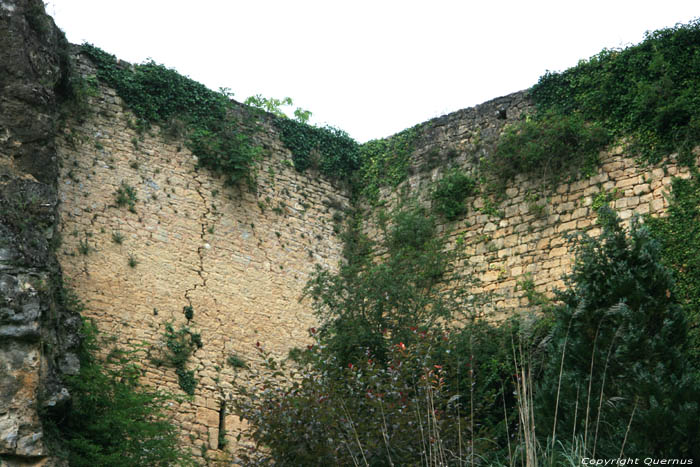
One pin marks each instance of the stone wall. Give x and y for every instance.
(523, 237)
(239, 259)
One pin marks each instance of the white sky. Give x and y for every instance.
(371, 68)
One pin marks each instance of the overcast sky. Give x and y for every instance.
(371, 68)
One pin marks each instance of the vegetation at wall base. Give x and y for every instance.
(606, 362)
(617, 369)
(112, 419)
(157, 94)
(387, 380)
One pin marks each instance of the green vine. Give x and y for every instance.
(330, 150)
(156, 94)
(385, 162)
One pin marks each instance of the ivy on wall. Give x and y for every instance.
(649, 92)
(157, 94)
(330, 150)
(368, 166)
(679, 234)
(385, 162)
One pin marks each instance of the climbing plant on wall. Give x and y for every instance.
(649, 92)
(330, 150)
(160, 95)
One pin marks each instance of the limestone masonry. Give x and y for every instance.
(238, 258)
(241, 259)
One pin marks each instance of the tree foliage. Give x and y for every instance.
(370, 305)
(616, 372)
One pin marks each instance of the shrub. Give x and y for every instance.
(648, 92)
(370, 304)
(450, 192)
(615, 372)
(547, 147)
(421, 407)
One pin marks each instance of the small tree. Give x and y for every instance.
(371, 304)
(615, 375)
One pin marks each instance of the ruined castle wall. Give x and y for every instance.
(240, 259)
(523, 237)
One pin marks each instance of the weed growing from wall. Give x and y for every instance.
(126, 196)
(179, 347)
(450, 192)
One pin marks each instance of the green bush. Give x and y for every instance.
(547, 147)
(369, 305)
(438, 399)
(450, 192)
(649, 92)
(113, 419)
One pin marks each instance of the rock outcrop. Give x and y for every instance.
(38, 336)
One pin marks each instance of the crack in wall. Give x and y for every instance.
(202, 236)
